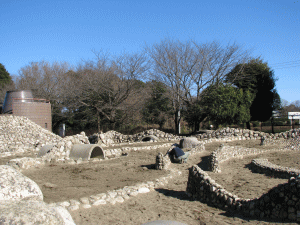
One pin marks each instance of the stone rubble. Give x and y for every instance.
(20, 135)
(14, 186)
(33, 212)
(21, 201)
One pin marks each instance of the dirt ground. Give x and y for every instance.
(166, 203)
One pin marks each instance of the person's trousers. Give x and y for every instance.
(183, 158)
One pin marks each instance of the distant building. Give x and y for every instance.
(276, 114)
(22, 103)
(294, 116)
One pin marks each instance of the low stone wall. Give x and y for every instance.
(27, 162)
(113, 137)
(116, 152)
(246, 134)
(116, 196)
(270, 169)
(224, 153)
(162, 161)
(281, 203)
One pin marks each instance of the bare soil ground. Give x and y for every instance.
(166, 203)
(91, 178)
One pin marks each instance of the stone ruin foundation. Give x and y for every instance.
(19, 135)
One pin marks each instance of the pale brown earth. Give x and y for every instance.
(166, 203)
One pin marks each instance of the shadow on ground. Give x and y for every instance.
(149, 166)
(181, 195)
(236, 214)
(204, 164)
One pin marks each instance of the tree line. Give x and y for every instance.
(170, 80)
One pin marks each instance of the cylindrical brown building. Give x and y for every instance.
(22, 103)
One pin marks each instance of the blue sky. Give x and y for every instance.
(63, 30)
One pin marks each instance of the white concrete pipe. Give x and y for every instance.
(149, 138)
(86, 151)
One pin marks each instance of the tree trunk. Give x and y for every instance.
(177, 122)
(98, 121)
(196, 126)
(248, 125)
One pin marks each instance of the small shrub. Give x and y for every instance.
(255, 124)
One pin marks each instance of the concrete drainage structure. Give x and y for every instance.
(86, 152)
(149, 138)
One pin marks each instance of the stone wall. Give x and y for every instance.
(224, 152)
(281, 203)
(113, 137)
(27, 162)
(245, 134)
(264, 166)
(162, 161)
(117, 152)
(117, 196)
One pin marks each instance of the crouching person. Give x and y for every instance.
(177, 155)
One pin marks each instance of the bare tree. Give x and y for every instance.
(104, 85)
(188, 68)
(172, 66)
(43, 78)
(297, 103)
(47, 81)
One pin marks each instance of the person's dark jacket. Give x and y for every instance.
(177, 152)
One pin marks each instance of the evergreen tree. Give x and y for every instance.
(5, 78)
(157, 106)
(226, 104)
(194, 115)
(257, 77)
(6, 83)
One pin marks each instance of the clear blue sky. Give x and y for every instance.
(63, 30)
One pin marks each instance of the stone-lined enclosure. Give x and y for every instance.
(224, 153)
(281, 203)
(19, 135)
